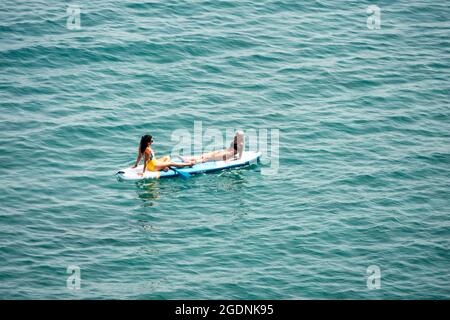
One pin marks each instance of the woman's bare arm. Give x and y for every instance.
(146, 159)
(138, 159)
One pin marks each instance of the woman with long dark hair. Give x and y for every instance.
(150, 162)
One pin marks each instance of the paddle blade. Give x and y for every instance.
(183, 175)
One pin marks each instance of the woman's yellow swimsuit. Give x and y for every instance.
(153, 161)
(151, 165)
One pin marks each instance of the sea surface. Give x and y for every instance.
(364, 149)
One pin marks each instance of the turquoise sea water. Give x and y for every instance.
(364, 150)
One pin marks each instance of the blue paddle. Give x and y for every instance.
(183, 175)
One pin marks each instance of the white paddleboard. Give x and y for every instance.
(248, 157)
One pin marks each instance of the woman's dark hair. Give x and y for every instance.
(144, 142)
